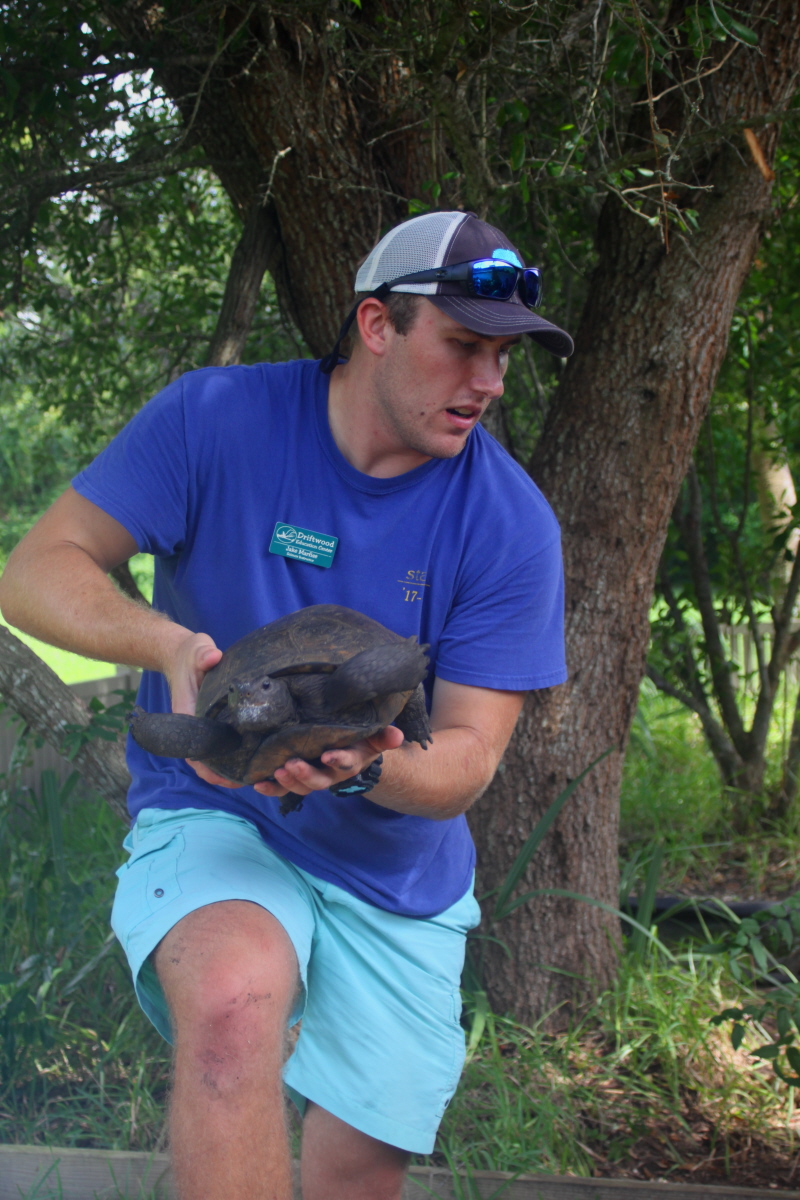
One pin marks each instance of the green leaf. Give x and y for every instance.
(759, 954)
(737, 1036)
(742, 31)
(517, 156)
(793, 1056)
(478, 1023)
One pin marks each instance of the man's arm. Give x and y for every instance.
(471, 728)
(55, 586)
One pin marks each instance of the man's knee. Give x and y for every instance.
(229, 974)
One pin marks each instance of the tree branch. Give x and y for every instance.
(47, 705)
(259, 239)
(725, 752)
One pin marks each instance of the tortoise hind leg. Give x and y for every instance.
(176, 735)
(412, 721)
(378, 671)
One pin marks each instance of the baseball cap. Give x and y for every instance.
(441, 239)
(445, 239)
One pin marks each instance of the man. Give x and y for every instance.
(352, 912)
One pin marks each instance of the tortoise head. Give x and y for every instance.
(260, 704)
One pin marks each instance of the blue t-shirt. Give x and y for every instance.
(464, 553)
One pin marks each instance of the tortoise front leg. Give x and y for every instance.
(177, 735)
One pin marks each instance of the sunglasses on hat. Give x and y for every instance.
(489, 278)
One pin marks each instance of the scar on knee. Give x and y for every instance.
(254, 997)
(211, 1058)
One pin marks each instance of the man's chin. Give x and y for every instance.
(448, 446)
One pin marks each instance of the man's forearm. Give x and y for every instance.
(440, 782)
(62, 597)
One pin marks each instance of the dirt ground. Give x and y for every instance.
(693, 1155)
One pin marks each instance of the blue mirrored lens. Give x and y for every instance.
(530, 287)
(493, 279)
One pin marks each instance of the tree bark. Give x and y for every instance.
(615, 447)
(47, 705)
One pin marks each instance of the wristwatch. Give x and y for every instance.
(364, 781)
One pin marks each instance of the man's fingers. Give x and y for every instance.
(355, 758)
(390, 738)
(208, 657)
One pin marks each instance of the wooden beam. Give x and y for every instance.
(39, 1173)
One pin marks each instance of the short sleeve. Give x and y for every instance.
(141, 478)
(506, 628)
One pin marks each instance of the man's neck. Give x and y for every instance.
(360, 429)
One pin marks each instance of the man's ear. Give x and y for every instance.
(374, 325)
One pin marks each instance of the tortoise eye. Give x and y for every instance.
(266, 685)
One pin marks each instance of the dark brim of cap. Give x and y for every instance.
(495, 318)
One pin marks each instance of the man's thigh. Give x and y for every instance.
(186, 868)
(381, 1046)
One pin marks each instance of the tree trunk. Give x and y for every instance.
(614, 450)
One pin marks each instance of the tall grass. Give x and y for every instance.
(643, 1065)
(79, 1064)
(673, 797)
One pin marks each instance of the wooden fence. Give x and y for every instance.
(742, 650)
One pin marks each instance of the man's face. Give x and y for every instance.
(432, 385)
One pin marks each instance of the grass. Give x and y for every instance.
(672, 796)
(642, 1074)
(79, 1064)
(641, 1084)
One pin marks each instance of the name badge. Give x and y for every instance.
(306, 545)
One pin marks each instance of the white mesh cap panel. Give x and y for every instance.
(417, 245)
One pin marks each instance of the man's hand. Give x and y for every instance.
(301, 777)
(190, 661)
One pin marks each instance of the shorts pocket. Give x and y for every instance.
(148, 881)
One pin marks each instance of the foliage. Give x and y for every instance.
(105, 722)
(78, 1064)
(38, 455)
(780, 1009)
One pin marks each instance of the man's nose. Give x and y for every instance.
(488, 376)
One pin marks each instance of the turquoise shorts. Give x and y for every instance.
(381, 1046)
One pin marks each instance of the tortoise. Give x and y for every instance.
(318, 679)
